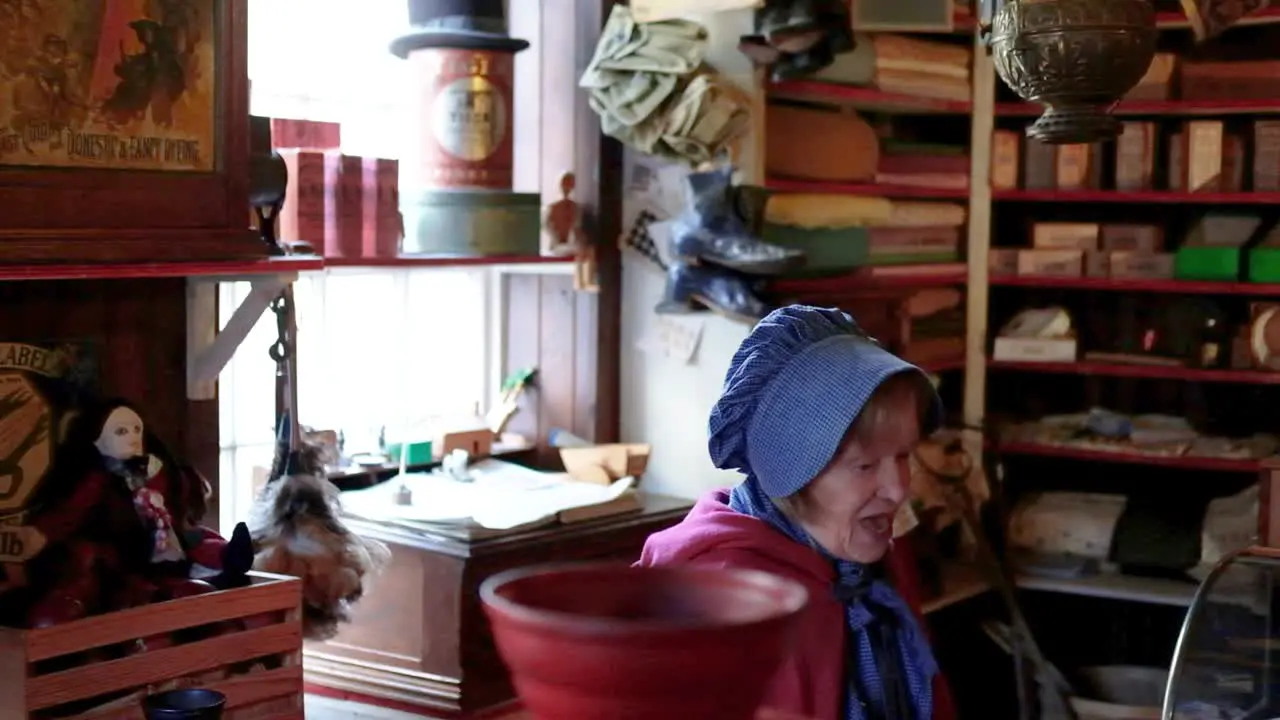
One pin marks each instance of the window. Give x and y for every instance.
(377, 347)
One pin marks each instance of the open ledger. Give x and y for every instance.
(502, 497)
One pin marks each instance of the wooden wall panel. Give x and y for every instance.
(137, 329)
(576, 337)
(553, 328)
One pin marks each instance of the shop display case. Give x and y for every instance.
(1224, 667)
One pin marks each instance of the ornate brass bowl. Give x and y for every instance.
(1075, 57)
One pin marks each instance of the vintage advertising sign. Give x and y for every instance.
(108, 84)
(39, 385)
(466, 118)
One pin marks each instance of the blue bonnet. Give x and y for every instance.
(793, 389)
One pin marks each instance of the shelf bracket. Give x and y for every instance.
(208, 350)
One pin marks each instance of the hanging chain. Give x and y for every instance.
(282, 349)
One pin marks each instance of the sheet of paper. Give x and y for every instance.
(655, 10)
(502, 496)
(673, 336)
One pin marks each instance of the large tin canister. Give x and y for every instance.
(463, 122)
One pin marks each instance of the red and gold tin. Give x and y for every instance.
(463, 122)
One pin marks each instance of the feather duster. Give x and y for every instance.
(297, 530)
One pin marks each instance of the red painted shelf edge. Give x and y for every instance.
(1171, 461)
(1148, 196)
(867, 189)
(265, 266)
(1154, 372)
(442, 261)
(828, 91)
(1157, 107)
(851, 283)
(1202, 287)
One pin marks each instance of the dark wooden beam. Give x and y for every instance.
(573, 338)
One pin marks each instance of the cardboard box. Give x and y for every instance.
(1002, 261)
(1142, 266)
(1065, 236)
(1014, 349)
(1051, 263)
(1133, 238)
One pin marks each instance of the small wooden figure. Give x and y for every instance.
(563, 222)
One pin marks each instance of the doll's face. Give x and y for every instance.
(121, 436)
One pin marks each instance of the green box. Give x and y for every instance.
(1264, 265)
(1207, 263)
(420, 453)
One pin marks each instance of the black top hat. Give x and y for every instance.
(463, 24)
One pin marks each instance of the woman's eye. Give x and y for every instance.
(865, 467)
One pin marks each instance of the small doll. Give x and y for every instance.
(120, 517)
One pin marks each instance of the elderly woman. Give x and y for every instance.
(822, 422)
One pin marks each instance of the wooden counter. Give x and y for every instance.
(419, 639)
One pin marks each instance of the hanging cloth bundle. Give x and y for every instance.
(296, 523)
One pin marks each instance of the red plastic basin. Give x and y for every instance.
(622, 643)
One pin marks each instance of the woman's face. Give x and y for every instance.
(850, 506)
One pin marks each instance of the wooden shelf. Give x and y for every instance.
(1133, 370)
(1178, 462)
(1137, 197)
(941, 366)
(867, 189)
(852, 284)
(959, 583)
(134, 271)
(865, 98)
(444, 261)
(1188, 287)
(249, 268)
(1114, 586)
(1169, 108)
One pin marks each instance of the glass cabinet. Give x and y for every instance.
(1223, 667)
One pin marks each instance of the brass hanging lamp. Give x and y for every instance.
(1077, 58)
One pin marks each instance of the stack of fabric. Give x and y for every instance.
(652, 91)
(923, 165)
(910, 66)
(840, 233)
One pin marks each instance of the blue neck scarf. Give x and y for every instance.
(868, 603)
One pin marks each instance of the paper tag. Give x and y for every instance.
(905, 520)
(675, 337)
(655, 10)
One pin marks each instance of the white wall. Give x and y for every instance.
(665, 401)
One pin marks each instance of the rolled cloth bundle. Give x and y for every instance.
(648, 84)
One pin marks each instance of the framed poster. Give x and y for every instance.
(124, 131)
(114, 84)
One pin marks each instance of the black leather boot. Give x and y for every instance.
(693, 287)
(712, 229)
(796, 38)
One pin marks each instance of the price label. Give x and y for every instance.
(20, 544)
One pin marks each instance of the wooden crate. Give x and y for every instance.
(259, 669)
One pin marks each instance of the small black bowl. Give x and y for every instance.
(186, 704)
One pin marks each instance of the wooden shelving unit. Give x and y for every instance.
(996, 390)
(865, 98)
(1161, 108)
(1146, 196)
(1183, 287)
(865, 189)
(1150, 372)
